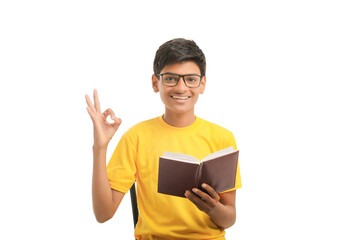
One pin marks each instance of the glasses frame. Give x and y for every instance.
(160, 75)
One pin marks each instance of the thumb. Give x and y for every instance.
(117, 122)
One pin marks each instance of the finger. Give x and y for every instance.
(89, 103)
(211, 191)
(204, 196)
(96, 101)
(90, 112)
(193, 198)
(200, 204)
(117, 122)
(110, 112)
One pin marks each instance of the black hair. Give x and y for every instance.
(179, 50)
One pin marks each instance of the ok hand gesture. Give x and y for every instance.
(103, 130)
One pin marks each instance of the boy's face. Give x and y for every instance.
(170, 95)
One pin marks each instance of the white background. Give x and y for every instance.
(283, 76)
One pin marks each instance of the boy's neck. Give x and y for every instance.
(179, 119)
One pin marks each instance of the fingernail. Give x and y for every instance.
(203, 185)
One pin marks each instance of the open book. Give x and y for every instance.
(180, 172)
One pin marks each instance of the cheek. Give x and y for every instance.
(196, 94)
(195, 98)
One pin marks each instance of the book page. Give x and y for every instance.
(218, 154)
(180, 157)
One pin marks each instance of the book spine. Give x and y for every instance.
(198, 176)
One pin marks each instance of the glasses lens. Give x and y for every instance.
(170, 79)
(192, 81)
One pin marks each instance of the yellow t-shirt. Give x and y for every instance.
(136, 157)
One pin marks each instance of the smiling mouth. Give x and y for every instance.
(181, 98)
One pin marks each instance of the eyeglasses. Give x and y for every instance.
(172, 79)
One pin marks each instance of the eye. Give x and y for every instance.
(170, 78)
(192, 78)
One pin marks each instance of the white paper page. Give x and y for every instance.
(218, 154)
(180, 157)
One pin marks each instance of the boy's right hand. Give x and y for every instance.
(103, 131)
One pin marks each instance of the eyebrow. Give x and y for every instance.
(190, 74)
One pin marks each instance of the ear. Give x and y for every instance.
(202, 85)
(155, 83)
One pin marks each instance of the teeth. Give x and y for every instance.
(182, 98)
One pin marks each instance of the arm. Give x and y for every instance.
(105, 200)
(221, 209)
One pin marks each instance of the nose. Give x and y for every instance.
(181, 87)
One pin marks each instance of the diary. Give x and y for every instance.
(180, 172)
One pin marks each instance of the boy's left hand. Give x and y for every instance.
(202, 200)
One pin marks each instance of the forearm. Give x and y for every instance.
(223, 215)
(101, 192)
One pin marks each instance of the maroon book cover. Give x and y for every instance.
(180, 172)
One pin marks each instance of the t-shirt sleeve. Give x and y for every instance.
(121, 169)
(229, 141)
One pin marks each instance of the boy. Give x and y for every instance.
(179, 77)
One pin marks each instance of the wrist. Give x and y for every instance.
(223, 215)
(97, 147)
(213, 212)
